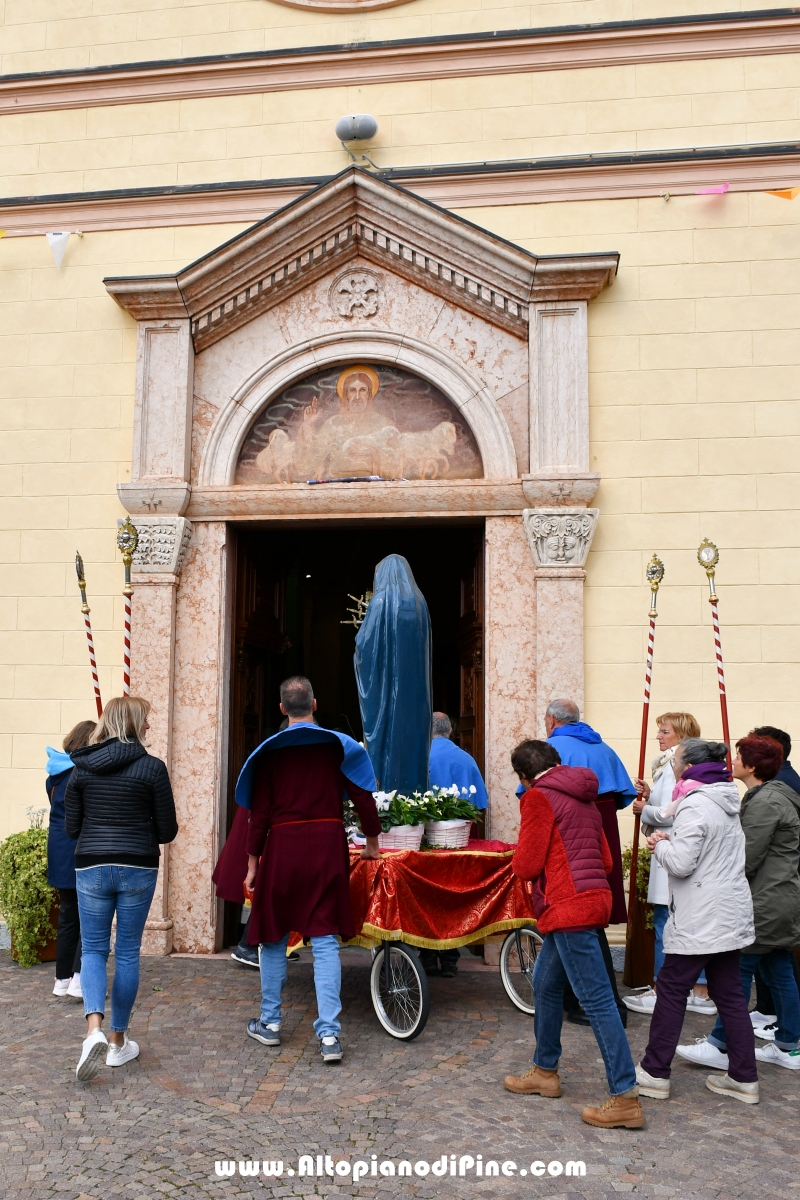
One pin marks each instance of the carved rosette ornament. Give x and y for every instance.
(162, 543)
(355, 294)
(560, 537)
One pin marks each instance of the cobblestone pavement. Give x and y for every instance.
(202, 1091)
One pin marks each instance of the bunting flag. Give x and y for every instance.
(784, 193)
(57, 241)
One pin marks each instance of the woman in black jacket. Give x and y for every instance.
(120, 808)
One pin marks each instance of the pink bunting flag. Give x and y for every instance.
(719, 189)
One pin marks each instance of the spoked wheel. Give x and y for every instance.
(517, 960)
(399, 989)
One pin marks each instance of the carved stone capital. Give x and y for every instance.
(560, 489)
(158, 499)
(560, 537)
(162, 545)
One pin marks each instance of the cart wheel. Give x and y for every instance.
(517, 960)
(399, 991)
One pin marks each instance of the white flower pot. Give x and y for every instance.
(449, 835)
(402, 837)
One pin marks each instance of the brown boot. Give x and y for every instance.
(536, 1082)
(617, 1112)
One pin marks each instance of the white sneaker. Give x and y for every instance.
(74, 988)
(119, 1055)
(779, 1058)
(701, 1004)
(766, 1032)
(60, 987)
(723, 1085)
(758, 1018)
(91, 1060)
(704, 1054)
(656, 1089)
(643, 1000)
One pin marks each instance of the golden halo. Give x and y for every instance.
(361, 369)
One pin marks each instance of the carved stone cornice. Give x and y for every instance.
(507, 52)
(469, 185)
(358, 215)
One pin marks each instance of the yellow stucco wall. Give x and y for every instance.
(40, 35)
(590, 111)
(694, 351)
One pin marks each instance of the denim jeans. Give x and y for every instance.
(102, 891)
(776, 970)
(327, 982)
(577, 957)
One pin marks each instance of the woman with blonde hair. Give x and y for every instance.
(673, 727)
(120, 808)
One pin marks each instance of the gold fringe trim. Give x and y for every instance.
(372, 935)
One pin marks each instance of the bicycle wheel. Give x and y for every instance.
(517, 960)
(399, 991)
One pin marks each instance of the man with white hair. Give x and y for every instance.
(581, 746)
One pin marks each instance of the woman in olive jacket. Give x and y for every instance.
(120, 808)
(770, 818)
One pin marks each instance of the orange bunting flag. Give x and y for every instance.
(785, 193)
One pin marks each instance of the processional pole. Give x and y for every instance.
(708, 557)
(127, 541)
(86, 610)
(636, 928)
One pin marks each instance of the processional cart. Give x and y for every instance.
(439, 900)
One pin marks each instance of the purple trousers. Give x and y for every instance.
(678, 974)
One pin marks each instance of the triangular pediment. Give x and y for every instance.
(357, 214)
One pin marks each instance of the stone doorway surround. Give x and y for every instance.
(358, 270)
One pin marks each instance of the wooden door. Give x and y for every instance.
(470, 654)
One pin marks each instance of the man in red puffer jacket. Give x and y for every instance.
(563, 851)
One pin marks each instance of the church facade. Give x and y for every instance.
(533, 336)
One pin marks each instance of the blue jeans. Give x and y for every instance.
(101, 892)
(577, 957)
(660, 916)
(327, 982)
(776, 971)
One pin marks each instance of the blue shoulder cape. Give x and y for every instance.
(58, 762)
(581, 746)
(450, 764)
(356, 765)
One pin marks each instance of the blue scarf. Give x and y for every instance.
(356, 765)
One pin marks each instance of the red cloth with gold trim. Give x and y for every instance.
(438, 899)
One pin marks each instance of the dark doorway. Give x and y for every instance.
(292, 594)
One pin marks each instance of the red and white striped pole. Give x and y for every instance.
(86, 610)
(708, 557)
(127, 541)
(654, 573)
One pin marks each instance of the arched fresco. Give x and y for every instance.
(359, 420)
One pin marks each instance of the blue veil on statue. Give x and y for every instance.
(393, 673)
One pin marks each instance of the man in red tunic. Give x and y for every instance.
(298, 857)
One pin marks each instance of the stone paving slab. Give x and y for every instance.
(204, 1092)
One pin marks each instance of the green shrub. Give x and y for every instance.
(26, 898)
(642, 878)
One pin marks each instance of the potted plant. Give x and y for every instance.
(450, 816)
(27, 902)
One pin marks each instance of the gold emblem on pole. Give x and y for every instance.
(654, 573)
(708, 557)
(127, 541)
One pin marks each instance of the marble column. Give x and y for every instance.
(559, 540)
(199, 736)
(155, 574)
(510, 665)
